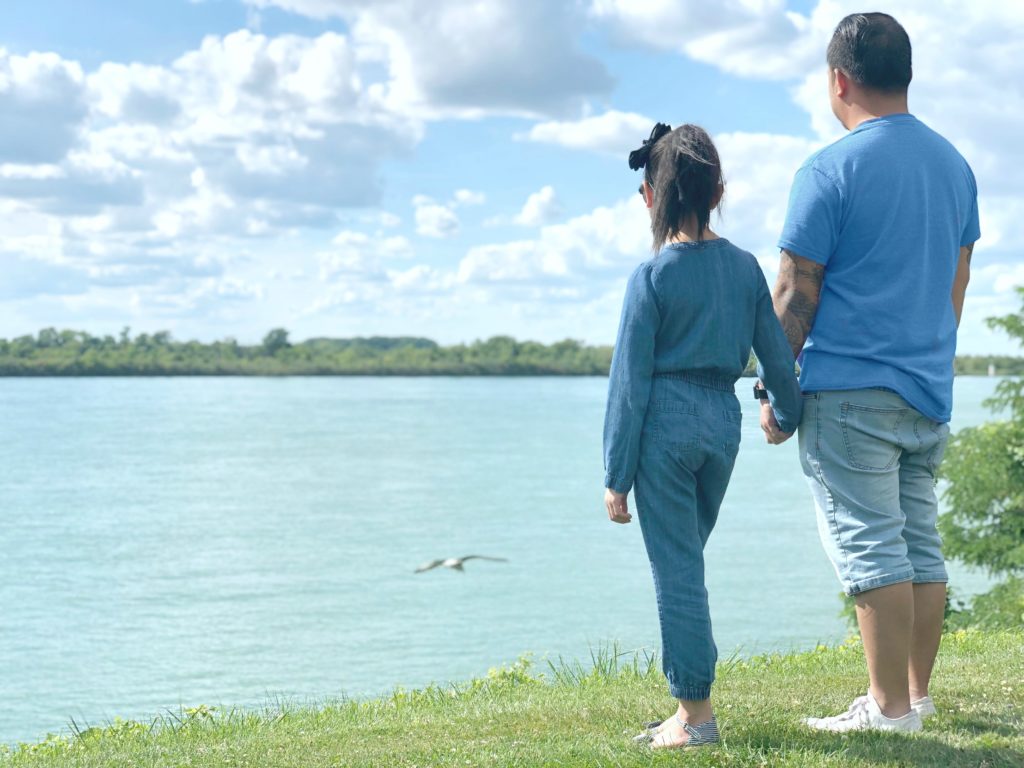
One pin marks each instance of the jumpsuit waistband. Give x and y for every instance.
(706, 380)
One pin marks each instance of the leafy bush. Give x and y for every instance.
(984, 524)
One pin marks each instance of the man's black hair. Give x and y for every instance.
(874, 50)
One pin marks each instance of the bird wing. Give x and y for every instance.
(428, 566)
(484, 557)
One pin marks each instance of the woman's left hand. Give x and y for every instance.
(618, 509)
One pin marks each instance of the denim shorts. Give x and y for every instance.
(870, 459)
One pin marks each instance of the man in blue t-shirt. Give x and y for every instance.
(876, 253)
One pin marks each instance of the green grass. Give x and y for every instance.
(570, 715)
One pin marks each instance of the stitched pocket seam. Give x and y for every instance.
(844, 412)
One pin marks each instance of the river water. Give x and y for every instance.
(234, 541)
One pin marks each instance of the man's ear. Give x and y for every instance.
(648, 194)
(840, 83)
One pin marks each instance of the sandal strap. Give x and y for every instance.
(705, 733)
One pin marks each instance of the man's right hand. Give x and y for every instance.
(770, 426)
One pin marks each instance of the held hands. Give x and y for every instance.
(772, 433)
(615, 503)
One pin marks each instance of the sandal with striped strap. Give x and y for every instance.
(698, 735)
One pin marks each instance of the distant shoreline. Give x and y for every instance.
(68, 353)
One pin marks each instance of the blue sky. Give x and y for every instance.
(447, 168)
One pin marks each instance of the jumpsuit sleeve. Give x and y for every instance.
(629, 381)
(775, 364)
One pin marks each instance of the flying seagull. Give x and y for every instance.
(455, 563)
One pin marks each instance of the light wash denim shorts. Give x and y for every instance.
(870, 459)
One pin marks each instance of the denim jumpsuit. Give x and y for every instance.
(672, 425)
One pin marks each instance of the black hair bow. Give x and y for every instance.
(638, 157)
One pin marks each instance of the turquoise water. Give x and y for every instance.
(171, 542)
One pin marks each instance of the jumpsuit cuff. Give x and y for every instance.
(789, 427)
(690, 691)
(615, 484)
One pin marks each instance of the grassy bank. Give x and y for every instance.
(558, 715)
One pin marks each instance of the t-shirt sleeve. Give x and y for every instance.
(813, 217)
(972, 228)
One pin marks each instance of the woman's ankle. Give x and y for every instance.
(695, 712)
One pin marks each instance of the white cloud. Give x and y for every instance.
(282, 119)
(613, 132)
(271, 160)
(595, 251)
(22, 171)
(361, 255)
(570, 265)
(966, 78)
(43, 106)
(135, 93)
(207, 207)
(421, 279)
(346, 264)
(542, 207)
(396, 246)
(234, 290)
(247, 136)
(470, 58)
(600, 243)
(751, 38)
(350, 239)
(434, 219)
(758, 170)
(26, 277)
(521, 261)
(469, 197)
(574, 269)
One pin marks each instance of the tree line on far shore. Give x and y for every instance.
(54, 352)
(76, 353)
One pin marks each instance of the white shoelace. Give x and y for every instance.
(859, 705)
(857, 712)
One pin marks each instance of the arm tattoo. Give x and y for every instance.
(970, 252)
(796, 297)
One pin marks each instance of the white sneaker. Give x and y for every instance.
(924, 707)
(864, 714)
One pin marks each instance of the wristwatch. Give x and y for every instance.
(760, 393)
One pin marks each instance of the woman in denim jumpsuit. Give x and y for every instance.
(672, 428)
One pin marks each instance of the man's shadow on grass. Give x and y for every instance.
(928, 749)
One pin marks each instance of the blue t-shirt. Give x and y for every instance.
(885, 209)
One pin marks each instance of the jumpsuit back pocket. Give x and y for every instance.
(675, 424)
(732, 430)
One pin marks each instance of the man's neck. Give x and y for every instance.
(861, 112)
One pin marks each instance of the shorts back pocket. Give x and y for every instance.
(871, 435)
(676, 425)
